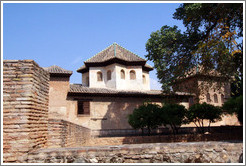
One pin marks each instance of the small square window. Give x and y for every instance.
(83, 107)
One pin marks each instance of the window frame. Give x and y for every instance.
(122, 73)
(85, 104)
(134, 76)
(208, 98)
(216, 98)
(144, 79)
(101, 74)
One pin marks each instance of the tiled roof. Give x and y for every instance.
(148, 66)
(82, 68)
(115, 54)
(79, 88)
(114, 51)
(57, 70)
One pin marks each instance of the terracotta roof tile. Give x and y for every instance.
(79, 88)
(57, 70)
(114, 51)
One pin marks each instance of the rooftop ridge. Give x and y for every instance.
(99, 52)
(130, 51)
(57, 70)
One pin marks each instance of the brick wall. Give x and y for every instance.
(66, 134)
(199, 152)
(25, 108)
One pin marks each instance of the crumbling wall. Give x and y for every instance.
(25, 108)
(62, 133)
(191, 152)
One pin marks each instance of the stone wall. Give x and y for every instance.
(101, 141)
(25, 108)
(199, 152)
(66, 134)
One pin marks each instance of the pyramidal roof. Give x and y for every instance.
(57, 70)
(115, 51)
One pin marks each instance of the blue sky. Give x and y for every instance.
(68, 34)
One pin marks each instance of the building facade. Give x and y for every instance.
(114, 82)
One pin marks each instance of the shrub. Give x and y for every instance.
(173, 115)
(234, 105)
(145, 116)
(200, 112)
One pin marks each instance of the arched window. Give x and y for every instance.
(222, 98)
(108, 75)
(144, 79)
(122, 74)
(132, 75)
(215, 98)
(208, 97)
(99, 76)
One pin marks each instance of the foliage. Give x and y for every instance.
(237, 87)
(198, 113)
(234, 105)
(146, 115)
(213, 31)
(173, 115)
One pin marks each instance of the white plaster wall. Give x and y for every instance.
(116, 82)
(127, 83)
(146, 86)
(104, 83)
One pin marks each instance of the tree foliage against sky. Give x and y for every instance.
(213, 40)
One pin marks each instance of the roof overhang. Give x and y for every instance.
(112, 61)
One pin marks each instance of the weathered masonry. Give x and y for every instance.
(41, 109)
(200, 152)
(115, 82)
(26, 126)
(25, 108)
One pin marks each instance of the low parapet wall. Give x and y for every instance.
(193, 152)
(164, 138)
(164, 131)
(62, 133)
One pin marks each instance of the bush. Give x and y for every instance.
(234, 105)
(145, 116)
(173, 115)
(200, 112)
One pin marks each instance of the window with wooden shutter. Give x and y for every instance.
(83, 107)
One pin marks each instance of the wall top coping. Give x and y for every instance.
(144, 146)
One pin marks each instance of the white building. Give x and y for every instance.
(117, 68)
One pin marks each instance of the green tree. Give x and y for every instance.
(145, 116)
(198, 113)
(173, 115)
(213, 40)
(234, 105)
